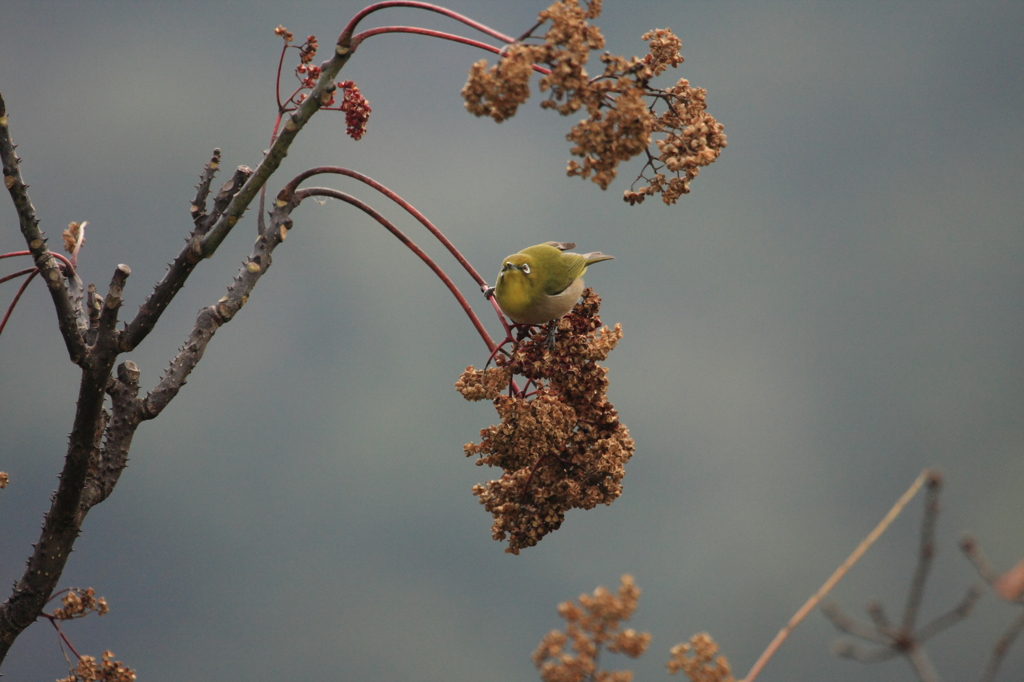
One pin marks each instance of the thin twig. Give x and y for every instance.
(1002, 646)
(926, 554)
(951, 617)
(863, 655)
(845, 623)
(836, 576)
(1007, 586)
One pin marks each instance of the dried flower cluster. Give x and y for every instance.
(562, 445)
(591, 626)
(79, 603)
(697, 660)
(356, 108)
(621, 105)
(498, 91)
(693, 138)
(107, 670)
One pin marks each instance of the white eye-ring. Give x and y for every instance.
(525, 268)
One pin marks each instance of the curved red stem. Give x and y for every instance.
(56, 626)
(289, 189)
(360, 37)
(280, 65)
(11, 254)
(365, 208)
(17, 274)
(435, 34)
(366, 11)
(17, 296)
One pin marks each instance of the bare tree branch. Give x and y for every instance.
(120, 429)
(64, 519)
(174, 279)
(321, 93)
(211, 318)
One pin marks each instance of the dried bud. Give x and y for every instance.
(73, 237)
(284, 33)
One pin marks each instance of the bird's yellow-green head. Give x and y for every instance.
(543, 282)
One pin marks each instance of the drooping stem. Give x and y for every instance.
(370, 9)
(61, 258)
(442, 275)
(17, 297)
(64, 638)
(290, 188)
(16, 275)
(436, 34)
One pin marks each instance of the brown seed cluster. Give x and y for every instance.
(692, 138)
(78, 603)
(106, 670)
(622, 107)
(697, 660)
(560, 442)
(592, 625)
(499, 90)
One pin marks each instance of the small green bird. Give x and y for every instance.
(543, 282)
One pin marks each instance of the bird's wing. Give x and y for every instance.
(577, 266)
(561, 246)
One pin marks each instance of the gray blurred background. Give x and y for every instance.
(836, 306)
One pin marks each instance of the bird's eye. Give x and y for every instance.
(525, 268)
